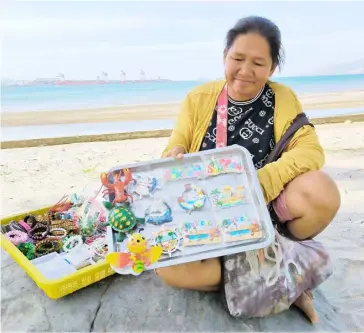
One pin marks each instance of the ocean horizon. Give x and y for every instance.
(53, 97)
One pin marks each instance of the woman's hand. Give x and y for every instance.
(176, 152)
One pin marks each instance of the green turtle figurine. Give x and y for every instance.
(122, 220)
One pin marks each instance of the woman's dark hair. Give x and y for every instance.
(263, 27)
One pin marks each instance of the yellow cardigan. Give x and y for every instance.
(304, 153)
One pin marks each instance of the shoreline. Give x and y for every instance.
(142, 134)
(160, 111)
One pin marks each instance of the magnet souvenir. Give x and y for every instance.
(200, 233)
(192, 198)
(240, 228)
(158, 213)
(143, 186)
(169, 240)
(216, 166)
(183, 172)
(227, 197)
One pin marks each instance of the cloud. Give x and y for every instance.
(105, 48)
(54, 27)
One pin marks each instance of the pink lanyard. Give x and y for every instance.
(221, 120)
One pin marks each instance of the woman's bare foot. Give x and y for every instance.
(305, 304)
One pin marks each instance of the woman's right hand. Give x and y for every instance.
(176, 152)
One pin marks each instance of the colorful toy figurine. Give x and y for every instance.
(240, 228)
(89, 216)
(122, 220)
(169, 240)
(224, 165)
(139, 256)
(118, 186)
(200, 233)
(158, 213)
(185, 171)
(143, 186)
(193, 197)
(227, 197)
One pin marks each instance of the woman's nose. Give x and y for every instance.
(245, 68)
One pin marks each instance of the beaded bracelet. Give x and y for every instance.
(26, 226)
(57, 233)
(67, 224)
(30, 220)
(39, 232)
(72, 243)
(17, 237)
(27, 249)
(47, 246)
(13, 225)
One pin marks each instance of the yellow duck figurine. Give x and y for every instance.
(139, 255)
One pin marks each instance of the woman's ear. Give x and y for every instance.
(274, 67)
(225, 54)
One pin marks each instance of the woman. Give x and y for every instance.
(304, 199)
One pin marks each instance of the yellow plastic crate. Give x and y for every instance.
(55, 288)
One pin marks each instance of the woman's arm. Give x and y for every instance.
(183, 129)
(304, 153)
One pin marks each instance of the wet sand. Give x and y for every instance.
(317, 101)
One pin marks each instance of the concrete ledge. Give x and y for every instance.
(140, 135)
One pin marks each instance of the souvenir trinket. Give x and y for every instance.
(183, 172)
(158, 213)
(117, 187)
(89, 216)
(72, 243)
(27, 249)
(39, 232)
(17, 226)
(200, 233)
(139, 256)
(227, 197)
(122, 220)
(143, 186)
(240, 228)
(99, 247)
(57, 233)
(16, 237)
(192, 198)
(169, 240)
(47, 246)
(216, 166)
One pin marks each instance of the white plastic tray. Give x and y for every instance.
(253, 207)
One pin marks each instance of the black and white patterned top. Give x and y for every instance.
(250, 124)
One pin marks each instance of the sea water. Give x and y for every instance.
(56, 97)
(72, 97)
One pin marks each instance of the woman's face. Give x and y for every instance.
(248, 66)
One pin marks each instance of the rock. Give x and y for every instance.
(143, 303)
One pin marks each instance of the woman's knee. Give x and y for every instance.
(193, 275)
(316, 193)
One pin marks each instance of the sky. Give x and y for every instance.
(174, 40)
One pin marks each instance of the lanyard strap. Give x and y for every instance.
(221, 120)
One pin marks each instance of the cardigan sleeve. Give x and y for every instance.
(303, 153)
(183, 129)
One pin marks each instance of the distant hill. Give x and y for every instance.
(353, 67)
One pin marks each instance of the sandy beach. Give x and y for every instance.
(317, 101)
(39, 176)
